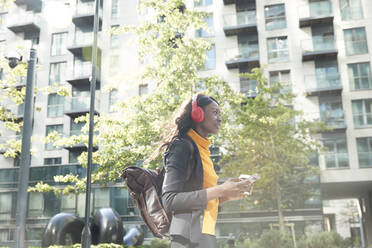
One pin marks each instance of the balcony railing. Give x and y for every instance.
(315, 13)
(318, 44)
(80, 104)
(239, 19)
(243, 52)
(323, 82)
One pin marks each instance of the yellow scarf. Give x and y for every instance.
(209, 180)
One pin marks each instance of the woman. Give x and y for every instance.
(194, 202)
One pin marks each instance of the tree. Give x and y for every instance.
(272, 139)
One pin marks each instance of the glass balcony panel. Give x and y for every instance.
(240, 18)
(343, 160)
(365, 159)
(27, 17)
(83, 8)
(320, 8)
(244, 51)
(322, 81)
(249, 87)
(80, 103)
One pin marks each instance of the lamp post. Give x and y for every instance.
(86, 235)
(22, 198)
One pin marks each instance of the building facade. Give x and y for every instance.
(322, 49)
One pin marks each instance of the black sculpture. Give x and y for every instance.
(59, 227)
(107, 227)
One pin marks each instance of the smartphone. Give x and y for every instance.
(251, 178)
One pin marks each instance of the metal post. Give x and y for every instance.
(24, 168)
(86, 235)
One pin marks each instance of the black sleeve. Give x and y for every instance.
(174, 198)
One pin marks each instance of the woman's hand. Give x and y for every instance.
(244, 188)
(232, 189)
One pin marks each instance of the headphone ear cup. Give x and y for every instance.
(197, 114)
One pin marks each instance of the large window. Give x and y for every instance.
(68, 203)
(277, 49)
(35, 205)
(210, 63)
(320, 8)
(143, 89)
(351, 9)
(202, 2)
(55, 105)
(331, 113)
(206, 33)
(364, 146)
(49, 130)
(52, 161)
(360, 76)
(58, 44)
(275, 17)
(362, 112)
(76, 127)
(114, 9)
(114, 38)
(355, 41)
(336, 155)
(101, 198)
(283, 77)
(57, 72)
(5, 206)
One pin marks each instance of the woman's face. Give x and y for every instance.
(212, 119)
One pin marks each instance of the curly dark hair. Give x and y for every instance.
(182, 122)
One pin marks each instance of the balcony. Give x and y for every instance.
(80, 75)
(77, 106)
(13, 112)
(244, 55)
(84, 15)
(333, 118)
(319, 12)
(78, 146)
(82, 46)
(319, 47)
(28, 24)
(239, 22)
(323, 84)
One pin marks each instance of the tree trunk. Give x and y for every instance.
(280, 211)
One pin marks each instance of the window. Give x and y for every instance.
(118, 200)
(101, 198)
(35, 205)
(6, 206)
(203, 2)
(320, 8)
(51, 161)
(49, 130)
(58, 44)
(76, 127)
(283, 78)
(336, 155)
(277, 49)
(114, 9)
(57, 73)
(351, 9)
(143, 89)
(113, 98)
(114, 38)
(360, 76)
(248, 46)
(55, 105)
(206, 33)
(210, 62)
(355, 41)
(68, 203)
(362, 112)
(275, 17)
(73, 157)
(364, 146)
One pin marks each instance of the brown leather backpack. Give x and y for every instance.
(145, 187)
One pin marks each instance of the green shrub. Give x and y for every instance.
(275, 239)
(323, 240)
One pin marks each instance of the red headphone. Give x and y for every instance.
(197, 112)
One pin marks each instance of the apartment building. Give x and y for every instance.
(321, 48)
